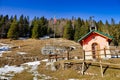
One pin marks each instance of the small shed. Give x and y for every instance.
(96, 45)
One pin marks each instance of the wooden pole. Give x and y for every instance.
(49, 57)
(83, 65)
(105, 52)
(101, 69)
(56, 57)
(84, 55)
(68, 55)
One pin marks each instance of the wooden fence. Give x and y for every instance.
(113, 52)
(99, 61)
(84, 63)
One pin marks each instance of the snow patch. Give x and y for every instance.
(7, 72)
(11, 70)
(33, 63)
(44, 37)
(6, 69)
(4, 48)
(45, 60)
(21, 53)
(23, 38)
(34, 66)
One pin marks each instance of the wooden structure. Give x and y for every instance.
(58, 56)
(85, 63)
(94, 43)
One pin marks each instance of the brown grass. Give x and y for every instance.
(23, 76)
(92, 73)
(33, 48)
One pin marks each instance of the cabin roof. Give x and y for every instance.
(97, 32)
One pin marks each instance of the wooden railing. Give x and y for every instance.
(105, 53)
(84, 63)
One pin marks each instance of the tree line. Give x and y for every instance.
(72, 29)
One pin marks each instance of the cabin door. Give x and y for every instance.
(95, 52)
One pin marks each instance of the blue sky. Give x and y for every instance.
(100, 9)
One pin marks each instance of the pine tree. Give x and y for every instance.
(43, 23)
(31, 26)
(35, 30)
(26, 27)
(114, 31)
(6, 26)
(100, 26)
(2, 24)
(112, 22)
(107, 23)
(23, 26)
(78, 24)
(13, 31)
(81, 28)
(68, 31)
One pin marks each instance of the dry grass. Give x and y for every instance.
(92, 73)
(23, 76)
(60, 74)
(33, 48)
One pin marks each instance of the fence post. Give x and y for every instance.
(84, 55)
(49, 57)
(116, 52)
(83, 65)
(68, 55)
(56, 57)
(101, 69)
(105, 52)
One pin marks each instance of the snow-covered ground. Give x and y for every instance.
(7, 72)
(4, 48)
(10, 71)
(7, 69)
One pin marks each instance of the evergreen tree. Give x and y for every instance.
(114, 31)
(49, 31)
(2, 24)
(112, 22)
(107, 23)
(78, 24)
(81, 28)
(44, 26)
(7, 26)
(13, 31)
(12, 28)
(68, 31)
(35, 30)
(23, 26)
(31, 26)
(26, 27)
(100, 26)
